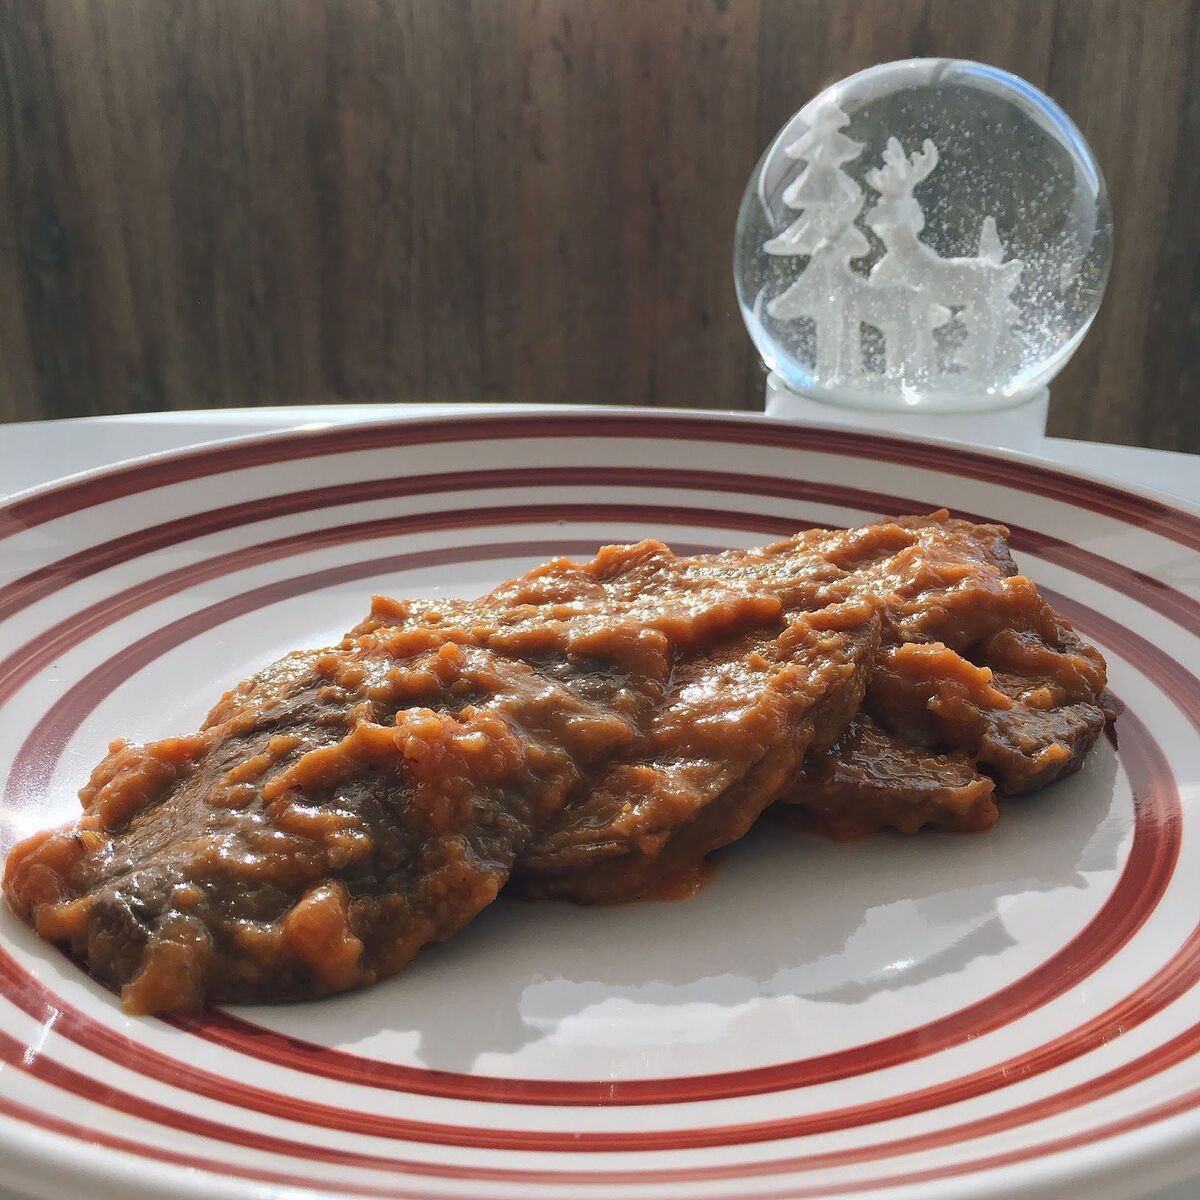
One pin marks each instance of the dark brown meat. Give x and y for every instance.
(1037, 739)
(597, 727)
(870, 780)
(993, 671)
(977, 672)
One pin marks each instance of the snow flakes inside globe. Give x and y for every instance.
(930, 233)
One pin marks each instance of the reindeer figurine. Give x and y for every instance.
(925, 284)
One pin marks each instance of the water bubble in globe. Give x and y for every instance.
(929, 234)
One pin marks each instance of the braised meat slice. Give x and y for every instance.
(333, 815)
(953, 611)
(869, 781)
(984, 665)
(951, 602)
(732, 729)
(977, 674)
(736, 723)
(591, 730)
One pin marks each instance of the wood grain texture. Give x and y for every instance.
(220, 202)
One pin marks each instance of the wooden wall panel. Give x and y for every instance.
(1128, 74)
(215, 202)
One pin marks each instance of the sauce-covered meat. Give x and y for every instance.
(976, 673)
(588, 730)
(870, 780)
(333, 815)
(650, 819)
(975, 660)
(979, 689)
(346, 806)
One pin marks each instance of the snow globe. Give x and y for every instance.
(927, 236)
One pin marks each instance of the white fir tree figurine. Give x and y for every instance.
(829, 201)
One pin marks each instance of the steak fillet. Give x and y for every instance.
(333, 815)
(651, 821)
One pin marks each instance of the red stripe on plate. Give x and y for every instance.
(35, 760)
(1150, 864)
(74, 567)
(1143, 879)
(92, 1136)
(24, 663)
(1161, 1112)
(1172, 1052)
(46, 580)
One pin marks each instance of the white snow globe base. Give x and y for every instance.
(1019, 427)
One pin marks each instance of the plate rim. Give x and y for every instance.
(1147, 1146)
(214, 447)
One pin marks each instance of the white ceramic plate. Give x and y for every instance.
(1014, 1014)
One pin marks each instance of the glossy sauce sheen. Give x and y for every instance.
(589, 731)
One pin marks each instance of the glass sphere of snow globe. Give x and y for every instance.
(931, 234)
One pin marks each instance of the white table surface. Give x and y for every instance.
(40, 451)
